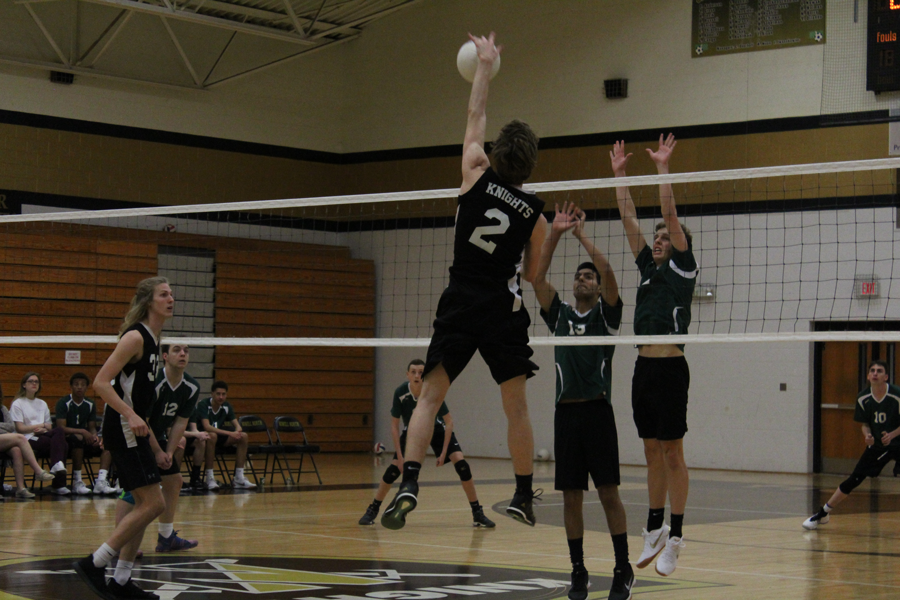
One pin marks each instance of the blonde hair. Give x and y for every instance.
(140, 304)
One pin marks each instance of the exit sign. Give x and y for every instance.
(866, 286)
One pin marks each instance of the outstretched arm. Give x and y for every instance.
(532, 254)
(666, 195)
(475, 161)
(563, 221)
(609, 287)
(626, 205)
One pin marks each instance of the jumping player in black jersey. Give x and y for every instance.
(499, 233)
(132, 369)
(659, 388)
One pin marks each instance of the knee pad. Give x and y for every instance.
(851, 483)
(462, 469)
(391, 474)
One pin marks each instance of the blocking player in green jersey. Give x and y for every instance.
(177, 394)
(585, 438)
(443, 442)
(659, 388)
(77, 416)
(878, 409)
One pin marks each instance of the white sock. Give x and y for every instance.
(238, 473)
(123, 572)
(827, 508)
(104, 555)
(77, 475)
(166, 529)
(210, 474)
(101, 474)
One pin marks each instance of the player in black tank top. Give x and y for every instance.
(498, 238)
(125, 382)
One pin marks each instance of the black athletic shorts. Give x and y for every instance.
(585, 443)
(136, 467)
(659, 397)
(465, 324)
(437, 444)
(875, 458)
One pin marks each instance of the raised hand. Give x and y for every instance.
(664, 152)
(487, 51)
(580, 218)
(565, 219)
(619, 159)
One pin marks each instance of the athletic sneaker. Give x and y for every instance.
(212, 484)
(668, 559)
(404, 502)
(60, 491)
(820, 518)
(174, 543)
(45, 476)
(198, 487)
(479, 520)
(129, 590)
(101, 486)
(623, 582)
(81, 489)
(94, 577)
(580, 584)
(654, 542)
(24, 494)
(243, 484)
(59, 466)
(369, 517)
(520, 507)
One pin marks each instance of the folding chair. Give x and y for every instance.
(292, 425)
(251, 424)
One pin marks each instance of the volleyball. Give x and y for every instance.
(467, 62)
(543, 454)
(379, 448)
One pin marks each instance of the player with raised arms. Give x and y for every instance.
(659, 388)
(498, 238)
(126, 382)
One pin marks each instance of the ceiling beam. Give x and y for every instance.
(190, 17)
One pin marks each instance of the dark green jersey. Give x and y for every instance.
(216, 418)
(663, 302)
(880, 416)
(405, 404)
(76, 415)
(172, 402)
(583, 372)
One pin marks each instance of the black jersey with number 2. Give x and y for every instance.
(135, 386)
(494, 222)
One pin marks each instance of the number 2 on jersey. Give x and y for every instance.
(479, 232)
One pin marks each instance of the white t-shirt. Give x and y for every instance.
(30, 412)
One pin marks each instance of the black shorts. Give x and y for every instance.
(464, 325)
(875, 458)
(136, 467)
(437, 443)
(659, 397)
(585, 443)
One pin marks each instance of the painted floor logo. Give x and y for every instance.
(298, 578)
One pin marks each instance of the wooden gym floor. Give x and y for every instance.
(742, 532)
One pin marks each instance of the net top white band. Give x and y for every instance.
(556, 186)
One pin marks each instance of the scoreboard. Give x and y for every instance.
(883, 46)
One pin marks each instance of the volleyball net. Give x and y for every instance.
(779, 249)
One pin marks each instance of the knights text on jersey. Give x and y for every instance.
(135, 386)
(880, 416)
(494, 222)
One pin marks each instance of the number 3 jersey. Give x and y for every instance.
(494, 222)
(879, 416)
(172, 402)
(135, 385)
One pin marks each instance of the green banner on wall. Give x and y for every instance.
(730, 26)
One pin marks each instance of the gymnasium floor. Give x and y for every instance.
(742, 532)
